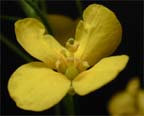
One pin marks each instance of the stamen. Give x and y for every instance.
(57, 64)
(85, 64)
(70, 59)
(63, 52)
(60, 66)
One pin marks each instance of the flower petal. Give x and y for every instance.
(35, 87)
(31, 35)
(141, 102)
(63, 27)
(98, 34)
(102, 73)
(133, 86)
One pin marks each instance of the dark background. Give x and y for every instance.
(130, 14)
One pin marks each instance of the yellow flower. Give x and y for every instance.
(79, 67)
(129, 102)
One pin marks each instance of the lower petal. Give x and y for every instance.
(35, 87)
(102, 73)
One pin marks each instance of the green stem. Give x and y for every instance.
(68, 103)
(11, 18)
(30, 12)
(43, 5)
(15, 48)
(40, 14)
(57, 110)
(79, 7)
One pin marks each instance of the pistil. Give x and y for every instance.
(68, 64)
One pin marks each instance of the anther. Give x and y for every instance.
(60, 66)
(70, 59)
(57, 64)
(85, 64)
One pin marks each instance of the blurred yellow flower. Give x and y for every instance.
(79, 67)
(129, 102)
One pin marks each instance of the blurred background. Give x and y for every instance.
(129, 13)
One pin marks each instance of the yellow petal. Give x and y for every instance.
(31, 35)
(99, 34)
(141, 102)
(122, 104)
(102, 73)
(133, 86)
(63, 27)
(35, 87)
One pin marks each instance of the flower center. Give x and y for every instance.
(68, 64)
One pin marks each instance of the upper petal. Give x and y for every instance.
(98, 34)
(31, 35)
(35, 87)
(102, 73)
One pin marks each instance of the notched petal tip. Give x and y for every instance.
(29, 23)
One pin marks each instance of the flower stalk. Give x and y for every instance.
(28, 10)
(79, 7)
(10, 18)
(68, 103)
(43, 5)
(57, 109)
